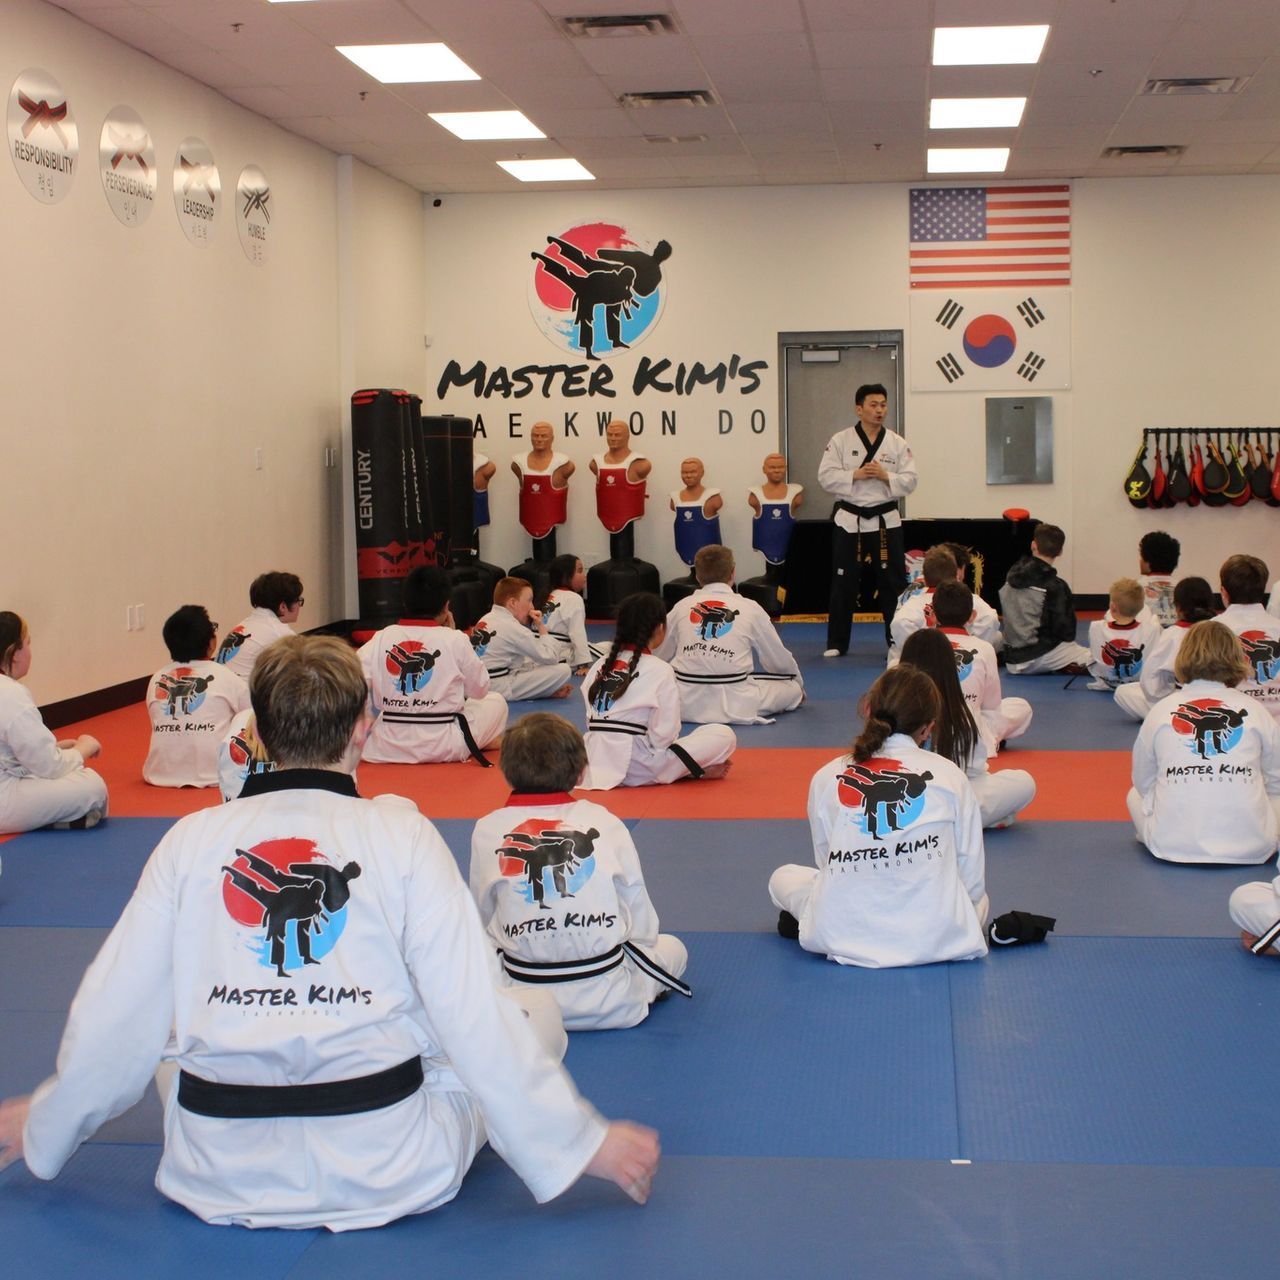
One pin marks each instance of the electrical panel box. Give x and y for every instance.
(1019, 439)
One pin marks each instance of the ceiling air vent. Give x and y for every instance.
(619, 24)
(669, 98)
(1174, 87)
(1118, 153)
(674, 140)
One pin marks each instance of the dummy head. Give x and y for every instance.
(541, 436)
(616, 435)
(691, 472)
(775, 468)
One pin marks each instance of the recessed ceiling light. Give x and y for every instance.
(989, 46)
(547, 170)
(487, 124)
(968, 159)
(975, 113)
(408, 63)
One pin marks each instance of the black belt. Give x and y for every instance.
(442, 717)
(498, 672)
(573, 970)
(333, 1098)
(618, 726)
(866, 513)
(689, 677)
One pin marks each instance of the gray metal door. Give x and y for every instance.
(821, 373)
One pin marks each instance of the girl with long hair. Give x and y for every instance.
(1001, 796)
(897, 840)
(565, 614)
(633, 711)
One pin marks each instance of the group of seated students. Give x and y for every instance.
(460, 1001)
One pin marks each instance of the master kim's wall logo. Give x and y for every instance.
(597, 289)
(885, 796)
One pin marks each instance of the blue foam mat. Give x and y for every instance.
(741, 1217)
(1117, 1050)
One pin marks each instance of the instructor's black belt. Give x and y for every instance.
(333, 1098)
(572, 970)
(441, 717)
(866, 513)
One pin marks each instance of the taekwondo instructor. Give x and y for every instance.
(866, 468)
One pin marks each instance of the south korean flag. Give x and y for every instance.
(990, 340)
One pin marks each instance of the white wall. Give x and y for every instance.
(1174, 320)
(140, 372)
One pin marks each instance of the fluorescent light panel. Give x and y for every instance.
(987, 46)
(968, 159)
(976, 113)
(567, 170)
(408, 63)
(487, 124)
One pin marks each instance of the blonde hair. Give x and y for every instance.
(1211, 651)
(713, 563)
(1126, 597)
(307, 694)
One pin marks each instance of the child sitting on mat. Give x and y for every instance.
(393, 1055)
(897, 838)
(963, 737)
(1206, 765)
(192, 703)
(633, 711)
(277, 601)
(566, 615)
(560, 891)
(42, 781)
(1158, 554)
(1193, 602)
(1040, 613)
(512, 640)
(1122, 639)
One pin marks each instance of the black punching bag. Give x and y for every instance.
(381, 501)
(449, 487)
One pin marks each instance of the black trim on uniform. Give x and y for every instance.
(332, 1098)
(260, 784)
(696, 771)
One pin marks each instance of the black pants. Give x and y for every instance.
(847, 568)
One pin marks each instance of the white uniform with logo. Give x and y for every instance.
(521, 663)
(404, 972)
(1001, 794)
(1118, 650)
(730, 663)
(634, 740)
(566, 619)
(915, 613)
(900, 875)
(1157, 591)
(1206, 777)
(979, 672)
(236, 757)
(1157, 679)
(1259, 633)
(40, 782)
(421, 677)
(559, 888)
(241, 645)
(191, 705)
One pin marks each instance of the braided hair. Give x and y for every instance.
(903, 700)
(639, 616)
(955, 735)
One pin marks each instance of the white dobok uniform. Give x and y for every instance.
(402, 974)
(979, 674)
(241, 645)
(730, 663)
(1259, 633)
(235, 758)
(633, 739)
(40, 782)
(422, 677)
(1001, 794)
(521, 663)
(566, 619)
(1118, 651)
(1157, 679)
(1157, 591)
(900, 874)
(1206, 777)
(915, 612)
(1273, 599)
(559, 888)
(191, 705)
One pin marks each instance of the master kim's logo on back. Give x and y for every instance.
(885, 797)
(597, 289)
(411, 664)
(1210, 727)
(713, 618)
(541, 857)
(181, 691)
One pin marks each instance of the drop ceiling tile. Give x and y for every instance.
(1172, 111)
(739, 85)
(609, 122)
(993, 13)
(463, 95)
(982, 82)
(1226, 154)
(530, 91)
(368, 22)
(727, 17)
(1062, 161)
(757, 50)
(900, 48)
(549, 58)
(1118, 79)
(707, 166)
(892, 117)
(885, 85)
(713, 121)
(264, 101)
(631, 167)
(486, 19)
(867, 15)
(779, 117)
(1051, 110)
(765, 144)
(634, 57)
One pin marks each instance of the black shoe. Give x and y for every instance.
(788, 925)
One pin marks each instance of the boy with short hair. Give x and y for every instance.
(730, 663)
(394, 1055)
(277, 600)
(985, 621)
(977, 667)
(1158, 554)
(1122, 638)
(1242, 580)
(560, 891)
(520, 655)
(428, 689)
(1040, 613)
(191, 703)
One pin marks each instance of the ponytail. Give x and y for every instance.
(903, 700)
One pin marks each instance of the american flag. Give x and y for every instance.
(991, 237)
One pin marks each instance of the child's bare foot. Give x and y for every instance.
(563, 692)
(717, 770)
(1250, 940)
